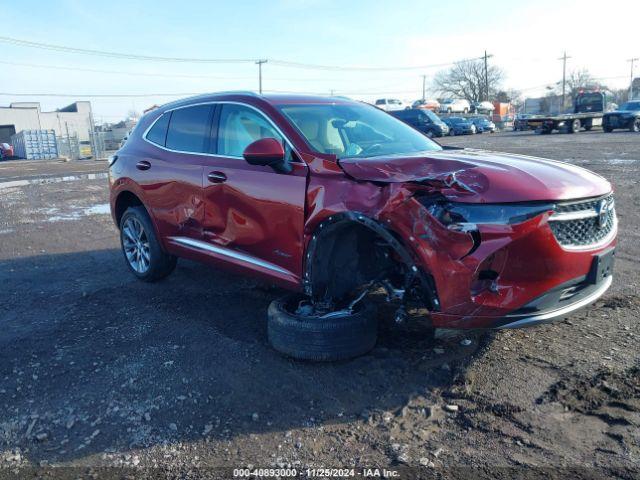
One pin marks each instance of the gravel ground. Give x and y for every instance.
(176, 379)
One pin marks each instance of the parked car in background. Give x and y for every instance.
(459, 126)
(626, 117)
(424, 120)
(482, 107)
(334, 199)
(483, 124)
(391, 104)
(432, 105)
(6, 151)
(455, 105)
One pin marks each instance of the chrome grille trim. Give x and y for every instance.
(585, 224)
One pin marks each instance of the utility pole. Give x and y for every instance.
(564, 77)
(631, 61)
(486, 77)
(259, 63)
(424, 87)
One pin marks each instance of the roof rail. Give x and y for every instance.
(230, 92)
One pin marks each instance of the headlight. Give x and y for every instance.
(466, 216)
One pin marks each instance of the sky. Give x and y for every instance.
(525, 39)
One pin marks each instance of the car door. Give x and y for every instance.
(254, 216)
(170, 173)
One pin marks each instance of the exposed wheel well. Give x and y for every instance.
(124, 201)
(350, 250)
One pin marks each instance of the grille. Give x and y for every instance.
(585, 223)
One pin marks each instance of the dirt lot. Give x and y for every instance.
(177, 379)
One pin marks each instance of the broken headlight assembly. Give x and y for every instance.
(465, 217)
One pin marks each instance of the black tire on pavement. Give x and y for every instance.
(607, 129)
(160, 263)
(635, 125)
(320, 339)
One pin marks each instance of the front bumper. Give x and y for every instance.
(526, 320)
(509, 275)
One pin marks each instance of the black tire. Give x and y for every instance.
(160, 263)
(465, 110)
(635, 125)
(574, 127)
(607, 129)
(317, 339)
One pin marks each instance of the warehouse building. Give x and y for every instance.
(73, 120)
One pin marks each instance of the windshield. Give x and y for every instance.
(355, 130)
(432, 116)
(630, 106)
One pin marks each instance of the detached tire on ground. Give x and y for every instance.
(320, 339)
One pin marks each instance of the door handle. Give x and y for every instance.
(217, 177)
(143, 165)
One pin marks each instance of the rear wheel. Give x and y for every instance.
(607, 129)
(142, 250)
(635, 126)
(312, 337)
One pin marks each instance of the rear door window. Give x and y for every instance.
(189, 129)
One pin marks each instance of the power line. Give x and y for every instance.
(127, 56)
(122, 72)
(313, 66)
(166, 75)
(280, 63)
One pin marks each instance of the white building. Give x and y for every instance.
(74, 119)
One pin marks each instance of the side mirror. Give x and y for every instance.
(266, 152)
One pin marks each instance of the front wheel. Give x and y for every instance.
(465, 110)
(142, 251)
(311, 337)
(635, 126)
(607, 129)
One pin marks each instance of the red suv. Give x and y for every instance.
(339, 202)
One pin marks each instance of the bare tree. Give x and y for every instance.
(467, 80)
(576, 81)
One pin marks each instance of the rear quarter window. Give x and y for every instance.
(158, 133)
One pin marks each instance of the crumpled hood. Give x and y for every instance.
(479, 176)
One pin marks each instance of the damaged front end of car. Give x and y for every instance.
(439, 242)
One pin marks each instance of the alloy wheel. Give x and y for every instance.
(136, 245)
